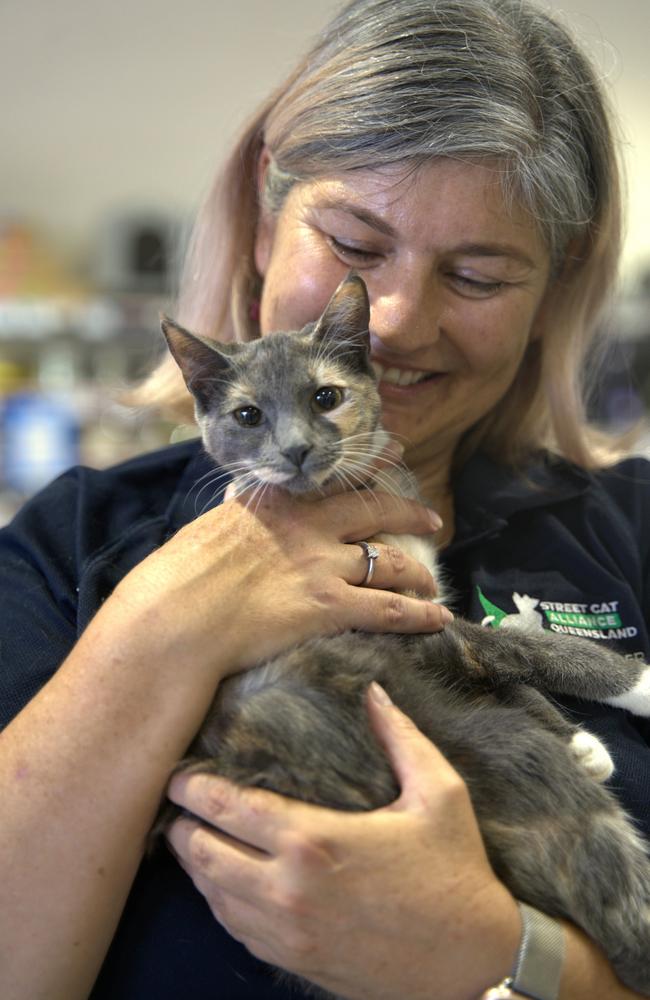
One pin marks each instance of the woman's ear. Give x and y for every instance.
(265, 229)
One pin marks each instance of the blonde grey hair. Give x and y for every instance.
(404, 81)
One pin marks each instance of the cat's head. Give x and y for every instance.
(297, 409)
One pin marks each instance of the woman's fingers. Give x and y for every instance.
(248, 820)
(370, 610)
(363, 514)
(390, 569)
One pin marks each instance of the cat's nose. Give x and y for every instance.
(297, 454)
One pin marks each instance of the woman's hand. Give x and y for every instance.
(251, 580)
(392, 904)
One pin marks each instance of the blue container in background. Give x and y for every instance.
(40, 439)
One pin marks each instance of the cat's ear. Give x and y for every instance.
(203, 363)
(344, 323)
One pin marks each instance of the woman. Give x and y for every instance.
(459, 156)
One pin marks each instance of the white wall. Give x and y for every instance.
(107, 103)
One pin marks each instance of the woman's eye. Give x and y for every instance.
(474, 287)
(328, 397)
(348, 252)
(248, 416)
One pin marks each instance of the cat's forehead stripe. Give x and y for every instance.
(240, 392)
(325, 372)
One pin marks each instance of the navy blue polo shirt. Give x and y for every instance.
(569, 550)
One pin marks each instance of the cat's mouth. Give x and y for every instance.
(390, 375)
(295, 480)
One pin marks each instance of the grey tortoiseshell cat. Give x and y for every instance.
(301, 410)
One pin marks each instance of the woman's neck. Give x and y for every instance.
(433, 473)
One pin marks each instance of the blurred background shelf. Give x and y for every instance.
(69, 351)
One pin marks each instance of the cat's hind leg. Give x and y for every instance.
(592, 755)
(587, 750)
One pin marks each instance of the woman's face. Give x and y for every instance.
(456, 285)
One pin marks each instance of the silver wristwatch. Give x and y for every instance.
(538, 966)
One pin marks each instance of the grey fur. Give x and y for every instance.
(298, 724)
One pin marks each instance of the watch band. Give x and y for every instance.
(538, 966)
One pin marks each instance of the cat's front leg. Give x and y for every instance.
(637, 698)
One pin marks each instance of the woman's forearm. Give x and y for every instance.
(82, 769)
(587, 973)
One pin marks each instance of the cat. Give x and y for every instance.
(301, 410)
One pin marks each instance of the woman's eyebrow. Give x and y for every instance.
(359, 212)
(495, 250)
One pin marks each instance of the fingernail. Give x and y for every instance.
(378, 694)
(436, 520)
(446, 615)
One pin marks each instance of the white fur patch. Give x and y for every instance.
(592, 755)
(420, 548)
(257, 678)
(637, 699)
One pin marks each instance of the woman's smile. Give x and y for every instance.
(390, 376)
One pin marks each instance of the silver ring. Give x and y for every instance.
(372, 554)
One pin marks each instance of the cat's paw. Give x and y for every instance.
(637, 699)
(592, 755)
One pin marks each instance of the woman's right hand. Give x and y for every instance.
(251, 579)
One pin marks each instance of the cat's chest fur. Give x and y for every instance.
(419, 547)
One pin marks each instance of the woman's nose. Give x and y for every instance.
(407, 317)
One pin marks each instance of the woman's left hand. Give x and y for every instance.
(386, 904)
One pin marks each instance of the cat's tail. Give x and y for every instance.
(620, 918)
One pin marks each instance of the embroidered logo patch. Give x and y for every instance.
(594, 620)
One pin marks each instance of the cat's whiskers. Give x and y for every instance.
(358, 472)
(378, 474)
(243, 483)
(341, 476)
(211, 477)
(215, 478)
(259, 488)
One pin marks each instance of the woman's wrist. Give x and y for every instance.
(582, 971)
(497, 940)
(538, 965)
(485, 949)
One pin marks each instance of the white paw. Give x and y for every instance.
(637, 699)
(592, 755)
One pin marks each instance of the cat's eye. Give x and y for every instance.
(328, 397)
(248, 416)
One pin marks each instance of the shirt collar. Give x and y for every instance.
(487, 493)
